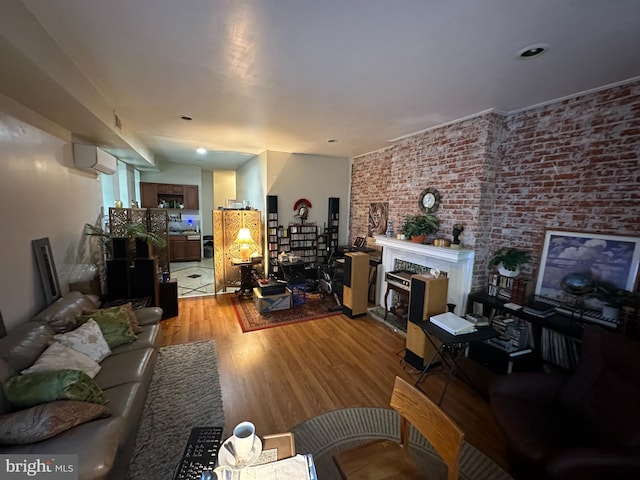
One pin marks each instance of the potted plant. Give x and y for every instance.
(419, 226)
(508, 261)
(134, 230)
(612, 298)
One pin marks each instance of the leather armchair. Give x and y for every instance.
(581, 426)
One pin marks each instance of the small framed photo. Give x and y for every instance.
(359, 242)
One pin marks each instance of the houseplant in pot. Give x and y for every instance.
(611, 297)
(508, 260)
(419, 226)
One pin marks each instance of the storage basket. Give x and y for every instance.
(298, 294)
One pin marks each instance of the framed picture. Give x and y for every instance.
(606, 258)
(359, 242)
(378, 214)
(47, 268)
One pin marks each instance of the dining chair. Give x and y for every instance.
(387, 459)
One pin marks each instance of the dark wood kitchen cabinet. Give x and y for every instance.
(152, 194)
(177, 248)
(181, 249)
(149, 195)
(191, 201)
(194, 250)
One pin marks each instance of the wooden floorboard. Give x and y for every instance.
(279, 377)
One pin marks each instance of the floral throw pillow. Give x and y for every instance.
(47, 420)
(60, 357)
(87, 339)
(114, 324)
(127, 307)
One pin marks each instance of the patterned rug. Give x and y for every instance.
(313, 308)
(184, 392)
(338, 430)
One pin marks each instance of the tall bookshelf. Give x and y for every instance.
(333, 221)
(272, 233)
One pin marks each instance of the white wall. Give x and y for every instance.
(224, 187)
(173, 173)
(42, 197)
(293, 176)
(249, 184)
(206, 205)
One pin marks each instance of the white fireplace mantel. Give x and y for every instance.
(458, 263)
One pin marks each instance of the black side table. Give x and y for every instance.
(168, 293)
(246, 278)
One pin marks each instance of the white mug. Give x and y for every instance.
(243, 437)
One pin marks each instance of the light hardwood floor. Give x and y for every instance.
(278, 377)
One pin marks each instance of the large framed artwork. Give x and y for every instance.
(604, 258)
(378, 214)
(47, 269)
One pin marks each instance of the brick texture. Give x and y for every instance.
(572, 165)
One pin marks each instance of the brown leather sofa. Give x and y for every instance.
(581, 426)
(103, 446)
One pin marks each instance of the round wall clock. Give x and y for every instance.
(429, 200)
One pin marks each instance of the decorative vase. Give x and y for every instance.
(418, 238)
(508, 273)
(389, 232)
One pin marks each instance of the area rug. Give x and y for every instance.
(184, 393)
(313, 309)
(331, 432)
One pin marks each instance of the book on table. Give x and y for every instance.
(540, 309)
(298, 467)
(453, 324)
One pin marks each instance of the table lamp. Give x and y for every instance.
(244, 239)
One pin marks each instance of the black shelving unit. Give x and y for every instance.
(333, 222)
(554, 340)
(304, 239)
(272, 233)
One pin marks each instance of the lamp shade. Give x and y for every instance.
(244, 236)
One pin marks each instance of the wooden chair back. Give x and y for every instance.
(417, 409)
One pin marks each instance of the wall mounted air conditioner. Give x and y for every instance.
(90, 157)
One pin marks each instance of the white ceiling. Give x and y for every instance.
(289, 75)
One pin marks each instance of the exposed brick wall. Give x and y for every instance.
(572, 165)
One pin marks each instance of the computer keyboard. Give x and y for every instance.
(200, 454)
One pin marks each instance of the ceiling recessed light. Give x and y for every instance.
(186, 117)
(201, 151)
(533, 50)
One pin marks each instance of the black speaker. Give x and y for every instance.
(143, 249)
(272, 204)
(145, 281)
(427, 297)
(118, 279)
(120, 246)
(356, 284)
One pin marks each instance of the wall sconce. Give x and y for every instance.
(244, 239)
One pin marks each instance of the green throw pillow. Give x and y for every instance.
(25, 391)
(114, 323)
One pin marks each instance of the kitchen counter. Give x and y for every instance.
(185, 232)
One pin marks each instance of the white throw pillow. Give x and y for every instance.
(87, 339)
(60, 357)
